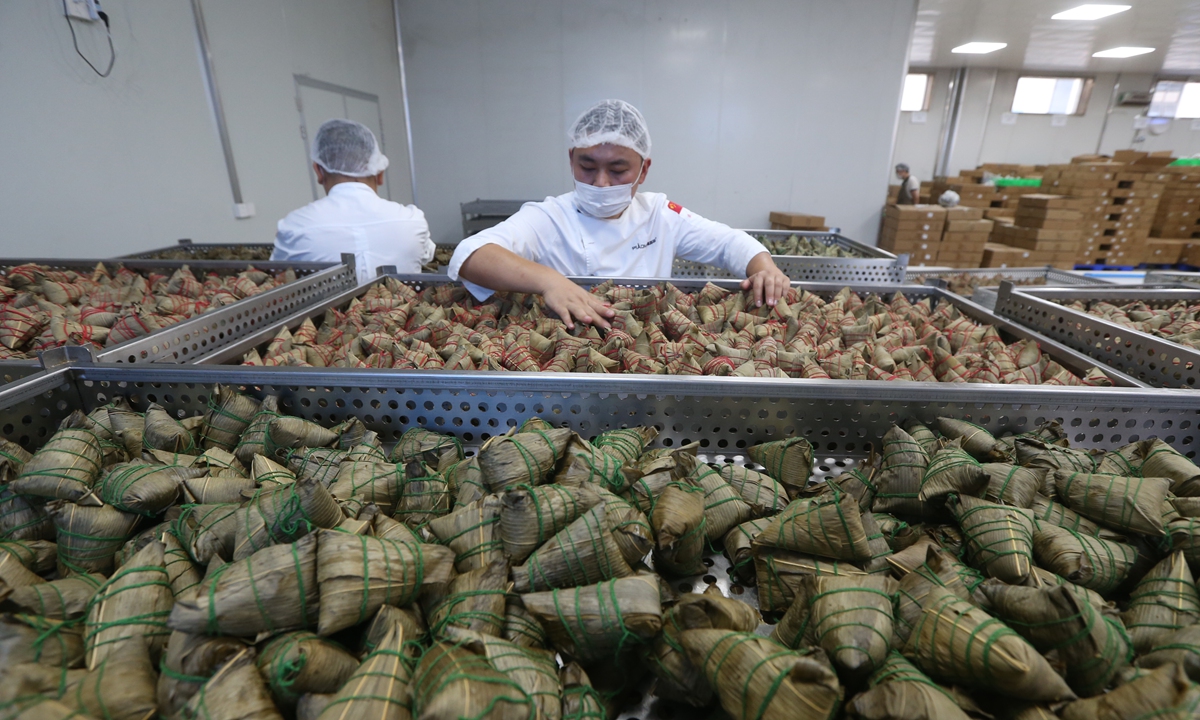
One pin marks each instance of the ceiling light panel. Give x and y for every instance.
(979, 48)
(1090, 12)
(1123, 52)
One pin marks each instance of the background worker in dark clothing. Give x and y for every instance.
(910, 187)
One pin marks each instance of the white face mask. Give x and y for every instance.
(604, 202)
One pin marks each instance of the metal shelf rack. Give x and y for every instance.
(1149, 358)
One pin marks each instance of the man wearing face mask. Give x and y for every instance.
(605, 228)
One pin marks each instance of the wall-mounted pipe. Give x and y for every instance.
(950, 119)
(412, 163)
(214, 97)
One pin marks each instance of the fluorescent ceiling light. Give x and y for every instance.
(1122, 52)
(1090, 12)
(979, 48)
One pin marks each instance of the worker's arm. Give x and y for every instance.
(707, 241)
(765, 281)
(496, 268)
(916, 196)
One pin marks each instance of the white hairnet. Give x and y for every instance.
(612, 121)
(348, 148)
(949, 199)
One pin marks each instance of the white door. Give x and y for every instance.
(318, 101)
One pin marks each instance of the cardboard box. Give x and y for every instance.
(1033, 238)
(914, 212)
(797, 221)
(969, 226)
(1043, 200)
(917, 245)
(1190, 254)
(1164, 251)
(913, 225)
(959, 214)
(1004, 256)
(1176, 231)
(1044, 213)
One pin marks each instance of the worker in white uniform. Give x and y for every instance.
(606, 228)
(352, 218)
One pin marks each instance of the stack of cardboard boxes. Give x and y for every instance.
(1048, 226)
(915, 230)
(974, 195)
(797, 221)
(1118, 202)
(1175, 232)
(964, 238)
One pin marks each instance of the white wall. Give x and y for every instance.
(99, 167)
(753, 106)
(917, 142)
(1032, 140)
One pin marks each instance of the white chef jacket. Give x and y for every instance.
(352, 218)
(642, 242)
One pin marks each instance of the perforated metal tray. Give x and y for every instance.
(875, 265)
(200, 250)
(841, 420)
(1172, 278)
(1072, 360)
(985, 295)
(725, 415)
(1150, 359)
(201, 335)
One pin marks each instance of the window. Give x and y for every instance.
(915, 97)
(1175, 99)
(1051, 96)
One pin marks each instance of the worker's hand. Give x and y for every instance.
(572, 303)
(765, 281)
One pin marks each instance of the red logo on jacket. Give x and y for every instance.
(674, 206)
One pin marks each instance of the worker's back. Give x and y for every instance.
(354, 219)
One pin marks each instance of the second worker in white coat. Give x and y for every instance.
(606, 228)
(352, 218)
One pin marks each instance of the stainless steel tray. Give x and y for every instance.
(1149, 358)
(985, 295)
(202, 335)
(1172, 278)
(726, 415)
(843, 421)
(1074, 361)
(875, 265)
(200, 250)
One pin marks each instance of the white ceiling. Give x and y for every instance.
(1035, 42)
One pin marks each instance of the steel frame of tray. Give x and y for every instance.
(1149, 358)
(725, 414)
(1074, 361)
(875, 265)
(191, 247)
(1172, 278)
(986, 295)
(843, 420)
(196, 337)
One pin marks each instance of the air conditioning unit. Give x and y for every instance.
(1134, 99)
